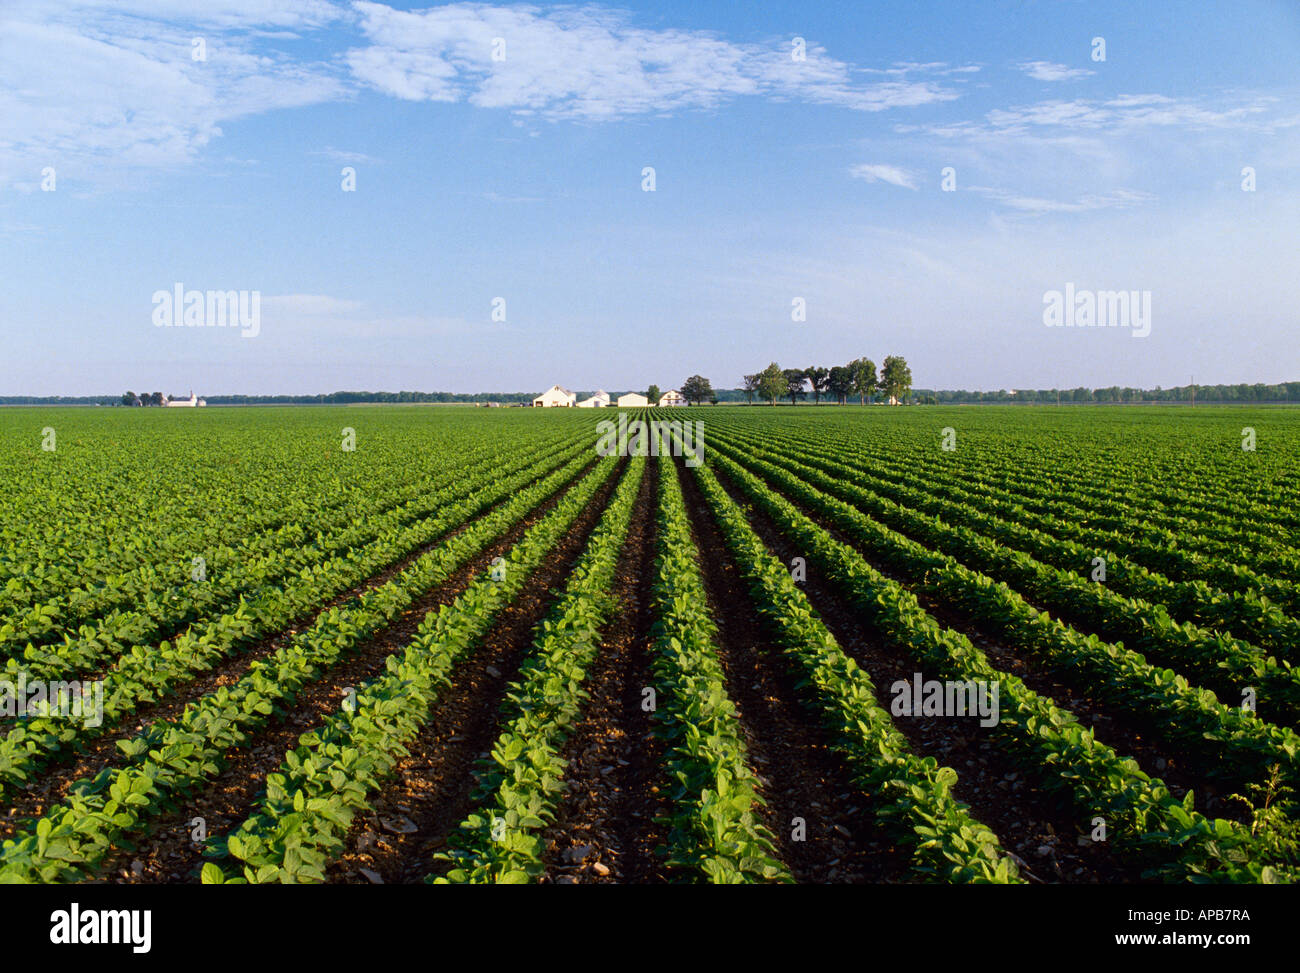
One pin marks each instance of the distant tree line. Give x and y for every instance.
(839, 382)
(1241, 393)
(348, 398)
(330, 398)
(858, 379)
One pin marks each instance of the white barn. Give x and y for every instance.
(193, 401)
(555, 396)
(672, 397)
(633, 400)
(598, 401)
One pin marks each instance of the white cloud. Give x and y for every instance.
(96, 88)
(495, 197)
(220, 13)
(1127, 112)
(1116, 199)
(346, 157)
(1080, 145)
(883, 173)
(1128, 101)
(91, 88)
(309, 304)
(593, 64)
(1048, 71)
(929, 67)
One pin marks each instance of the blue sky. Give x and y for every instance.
(521, 179)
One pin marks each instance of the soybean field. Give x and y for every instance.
(833, 644)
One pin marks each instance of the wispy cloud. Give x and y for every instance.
(1116, 199)
(1123, 112)
(593, 64)
(240, 14)
(1099, 142)
(883, 173)
(1049, 71)
(495, 197)
(309, 304)
(94, 87)
(346, 157)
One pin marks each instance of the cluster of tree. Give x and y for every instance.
(145, 398)
(696, 390)
(859, 377)
(1282, 392)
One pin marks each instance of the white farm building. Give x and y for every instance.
(672, 397)
(173, 402)
(555, 396)
(598, 401)
(633, 400)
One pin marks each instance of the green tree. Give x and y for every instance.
(865, 383)
(896, 378)
(817, 378)
(128, 398)
(771, 383)
(697, 389)
(653, 393)
(839, 382)
(794, 379)
(750, 386)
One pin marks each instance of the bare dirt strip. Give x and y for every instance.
(801, 776)
(606, 828)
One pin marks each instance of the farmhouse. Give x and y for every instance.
(555, 396)
(633, 400)
(598, 401)
(672, 397)
(177, 403)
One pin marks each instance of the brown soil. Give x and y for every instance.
(605, 828)
(802, 777)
